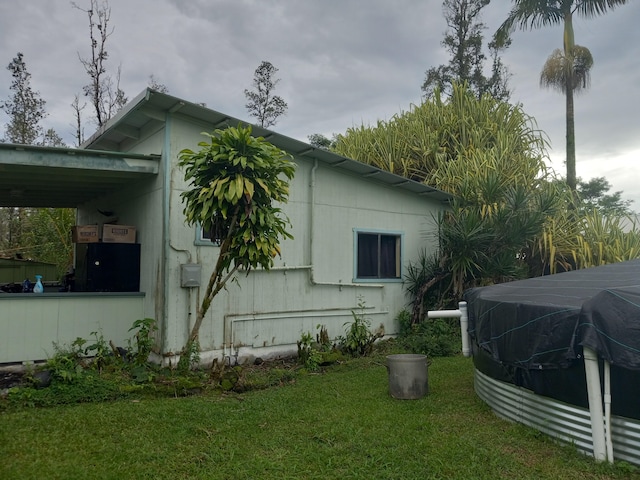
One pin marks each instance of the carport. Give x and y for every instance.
(34, 176)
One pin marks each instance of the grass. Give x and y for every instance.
(338, 424)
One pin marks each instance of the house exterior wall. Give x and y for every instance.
(265, 312)
(33, 324)
(313, 283)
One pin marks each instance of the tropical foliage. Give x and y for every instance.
(511, 217)
(235, 179)
(41, 234)
(433, 142)
(47, 237)
(490, 156)
(571, 242)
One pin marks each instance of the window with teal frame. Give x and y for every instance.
(204, 238)
(378, 255)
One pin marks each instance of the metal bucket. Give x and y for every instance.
(408, 379)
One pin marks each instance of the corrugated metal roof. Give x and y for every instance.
(151, 107)
(34, 176)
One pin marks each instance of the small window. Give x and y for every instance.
(206, 238)
(378, 255)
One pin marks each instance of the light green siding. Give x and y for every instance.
(32, 323)
(313, 281)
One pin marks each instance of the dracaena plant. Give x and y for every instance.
(236, 182)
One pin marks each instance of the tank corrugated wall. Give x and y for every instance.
(565, 422)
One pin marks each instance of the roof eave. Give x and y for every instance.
(158, 105)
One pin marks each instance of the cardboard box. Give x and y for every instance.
(118, 233)
(84, 234)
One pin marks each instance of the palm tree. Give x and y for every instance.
(539, 13)
(568, 74)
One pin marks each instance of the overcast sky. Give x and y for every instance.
(341, 63)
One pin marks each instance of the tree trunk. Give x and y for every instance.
(568, 44)
(216, 281)
(417, 304)
(571, 140)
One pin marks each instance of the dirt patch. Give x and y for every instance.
(10, 380)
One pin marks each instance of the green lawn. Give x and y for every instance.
(341, 424)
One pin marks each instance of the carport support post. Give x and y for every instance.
(592, 371)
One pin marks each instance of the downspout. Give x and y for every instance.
(189, 259)
(189, 289)
(166, 241)
(312, 186)
(592, 372)
(607, 411)
(462, 314)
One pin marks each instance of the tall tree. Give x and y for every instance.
(463, 40)
(25, 107)
(527, 14)
(569, 74)
(19, 226)
(52, 139)
(156, 85)
(318, 140)
(593, 195)
(261, 102)
(103, 90)
(77, 114)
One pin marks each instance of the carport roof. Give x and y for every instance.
(32, 176)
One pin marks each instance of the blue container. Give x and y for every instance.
(38, 287)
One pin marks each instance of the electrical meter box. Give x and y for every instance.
(190, 275)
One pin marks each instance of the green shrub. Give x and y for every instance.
(437, 337)
(66, 364)
(359, 339)
(100, 352)
(143, 340)
(305, 350)
(86, 387)
(312, 355)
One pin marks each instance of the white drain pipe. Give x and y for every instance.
(607, 411)
(460, 313)
(592, 372)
